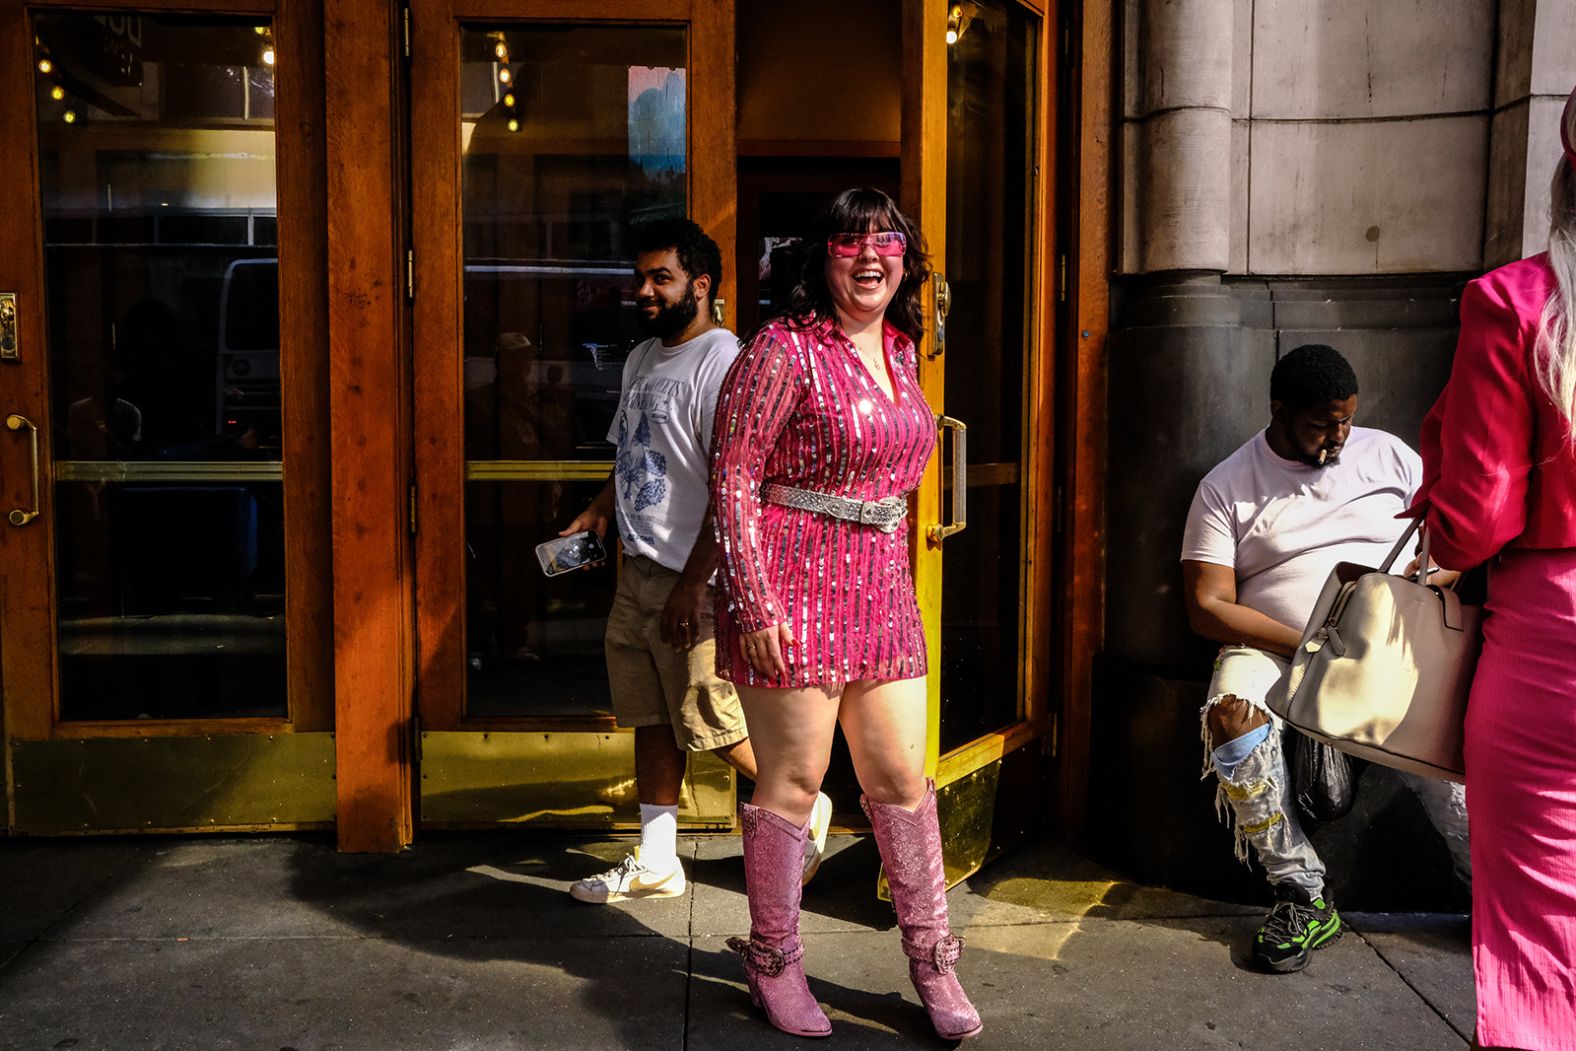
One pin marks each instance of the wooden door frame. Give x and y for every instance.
(368, 312)
(436, 154)
(923, 186)
(30, 683)
(1066, 571)
(924, 197)
(1079, 552)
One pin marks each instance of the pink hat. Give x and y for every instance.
(1567, 127)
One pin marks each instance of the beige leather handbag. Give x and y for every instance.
(1384, 668)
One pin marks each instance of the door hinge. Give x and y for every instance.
(410, 274)
(405, 28)
(1050, 743)
(1058, 509)
(415, 724)
(412, 509)
(1061, 278)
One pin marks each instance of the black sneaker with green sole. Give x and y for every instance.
(1292, 931)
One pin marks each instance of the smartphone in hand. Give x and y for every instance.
(568, 553)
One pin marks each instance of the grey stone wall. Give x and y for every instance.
(1344, 137)
(1190, 364)
(1536, 69)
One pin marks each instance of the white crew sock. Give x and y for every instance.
(659, 836)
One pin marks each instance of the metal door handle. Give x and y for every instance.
(8, 337)
(960, 480)
(20, 517)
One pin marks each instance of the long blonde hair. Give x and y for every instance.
(1554, 359)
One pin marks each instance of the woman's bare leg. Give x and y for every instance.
(791, 732)
(884, 723)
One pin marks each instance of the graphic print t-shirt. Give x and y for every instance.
(663, 433)
(1283, 525)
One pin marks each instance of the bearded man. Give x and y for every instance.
(661, 632)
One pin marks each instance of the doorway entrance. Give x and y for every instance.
(166, 655)
(976, 173)
(168, 620)
(536, 142)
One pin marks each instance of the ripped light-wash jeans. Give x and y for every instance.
(1256, 793)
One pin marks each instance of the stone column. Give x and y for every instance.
(1177, 134)
(1535, 72)
(1175, 352)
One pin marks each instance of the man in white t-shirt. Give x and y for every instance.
(1267, 526)
(661, 637)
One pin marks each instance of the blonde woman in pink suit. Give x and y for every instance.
(1499, 486)
(822, 431)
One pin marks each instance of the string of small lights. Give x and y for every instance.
(267, 33)
(71, 110)
(505, 80)
(49, 79)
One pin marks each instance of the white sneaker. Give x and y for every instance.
(631, 878)
(815, 842)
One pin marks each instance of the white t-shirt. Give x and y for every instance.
(1283, 525)
(663, 433)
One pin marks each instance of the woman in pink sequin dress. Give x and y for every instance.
(822, 432)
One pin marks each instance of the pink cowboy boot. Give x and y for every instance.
(910, 845)
(773, 868)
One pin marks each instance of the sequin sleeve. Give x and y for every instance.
(758, 397)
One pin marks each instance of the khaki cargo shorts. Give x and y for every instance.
(654, 684)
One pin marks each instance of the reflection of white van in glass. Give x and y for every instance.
(246, 372)
(524, 340)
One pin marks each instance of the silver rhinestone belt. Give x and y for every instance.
(885, 514)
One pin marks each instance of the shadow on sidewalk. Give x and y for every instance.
(491, 899)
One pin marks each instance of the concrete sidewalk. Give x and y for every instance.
(269, 944)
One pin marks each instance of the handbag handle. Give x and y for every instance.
(1400, 545)
(1447, 594)
(1422, 555)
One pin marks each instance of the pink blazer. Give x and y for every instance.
(1498, 468)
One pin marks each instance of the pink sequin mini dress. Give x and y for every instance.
(799, 408)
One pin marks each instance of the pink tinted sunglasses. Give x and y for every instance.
(886, 242)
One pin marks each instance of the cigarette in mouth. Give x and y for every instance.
(1322, 454)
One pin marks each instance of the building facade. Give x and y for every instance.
(318, 310)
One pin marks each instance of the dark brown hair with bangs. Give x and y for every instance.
(859, 211)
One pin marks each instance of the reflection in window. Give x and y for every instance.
(156, 139)
(570, 134)
(990, 139)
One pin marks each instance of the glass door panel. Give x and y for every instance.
(991, 113)
(569, 135)
(157, 160)
(971, 174)
(167, 633)
(536, 143)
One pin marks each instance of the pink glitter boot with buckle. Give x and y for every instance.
(773, 871)
(910, 845)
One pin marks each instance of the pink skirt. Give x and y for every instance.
(1521, 801)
